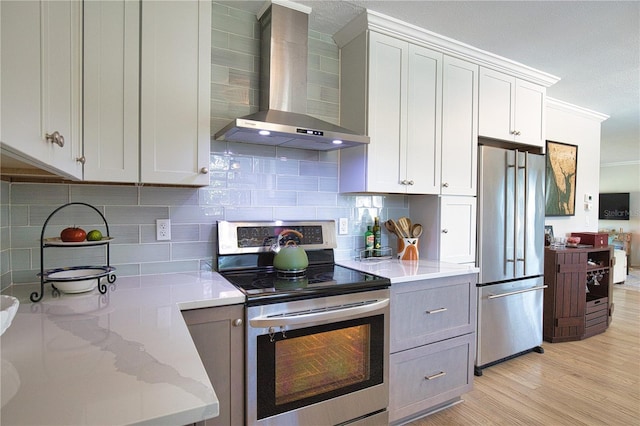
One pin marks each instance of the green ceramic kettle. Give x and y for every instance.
(289, 257)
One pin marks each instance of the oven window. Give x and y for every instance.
(318, 363)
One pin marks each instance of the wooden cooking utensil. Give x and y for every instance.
(390, 227)
(398, 231)
(416, 230)
(405, 225)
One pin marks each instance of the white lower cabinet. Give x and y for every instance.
(432, 345)
(41, 81)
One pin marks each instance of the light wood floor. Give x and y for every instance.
(595, 381)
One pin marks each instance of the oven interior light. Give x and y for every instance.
(337, 142)
(264, 132)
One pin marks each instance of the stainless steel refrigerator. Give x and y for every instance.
(510, 254)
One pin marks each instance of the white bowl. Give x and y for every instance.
(9, 305)
(75, 280)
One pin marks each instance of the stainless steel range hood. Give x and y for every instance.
(282, 118)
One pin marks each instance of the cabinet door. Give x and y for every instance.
(388, 63)
(458, 229)
(41, 83)
(175, 92)
(459, 127)
(420, 160)
(111, 87)
(529, 113)
(219, 338)
(496, 109)
(565, 272)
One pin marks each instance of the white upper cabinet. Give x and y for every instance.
(147, 74)
(41, 84)
(111, 91)
(391, 90)
(175, 92)
(511, 109)
(459, 153)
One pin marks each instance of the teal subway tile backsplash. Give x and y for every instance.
(104, 194)
(247, 182)
(29, 193)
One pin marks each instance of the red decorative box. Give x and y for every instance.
(596, 239)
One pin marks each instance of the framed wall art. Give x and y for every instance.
(562, 164)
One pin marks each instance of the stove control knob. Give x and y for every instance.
(237, 322)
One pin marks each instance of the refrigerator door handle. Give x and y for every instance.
(516, 218)
(525, 215)
(508, 168)
(510, 293)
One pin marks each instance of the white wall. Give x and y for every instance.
(574, 125)
(624, 177)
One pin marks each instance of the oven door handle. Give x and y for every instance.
(324, 314)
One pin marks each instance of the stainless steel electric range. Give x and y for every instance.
(317, 340)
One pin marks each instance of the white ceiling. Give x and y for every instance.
(593, 46)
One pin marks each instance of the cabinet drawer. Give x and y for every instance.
(596, 305)
(424, 377)
(427, 311)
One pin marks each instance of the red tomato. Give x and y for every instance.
(73, 235)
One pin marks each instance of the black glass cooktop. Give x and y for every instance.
(266, 284)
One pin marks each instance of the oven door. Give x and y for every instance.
(318, 361)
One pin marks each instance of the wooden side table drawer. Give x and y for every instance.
(596, 314)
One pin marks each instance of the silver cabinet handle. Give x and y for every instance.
(436, 311)
(510, 293)
(204, 171)
(81, 160)
(515, 132)
(410, 182)
(56, 138)
(237, 322)
(445, 231)
(445, 185)
(435, 376)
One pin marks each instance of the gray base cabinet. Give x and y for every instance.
(218, 334)
(432, 345)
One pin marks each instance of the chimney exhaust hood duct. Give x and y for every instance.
(282, 120)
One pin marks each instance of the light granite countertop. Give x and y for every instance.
(125, 357)
(400, 271)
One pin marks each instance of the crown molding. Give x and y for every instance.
(374, 21)
(621, 163)
(567, 107)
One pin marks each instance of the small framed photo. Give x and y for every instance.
(548, 235)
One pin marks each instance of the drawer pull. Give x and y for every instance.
(435, 376)
(435, 311)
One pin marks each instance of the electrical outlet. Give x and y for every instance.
(163, 229)
(343, 227)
